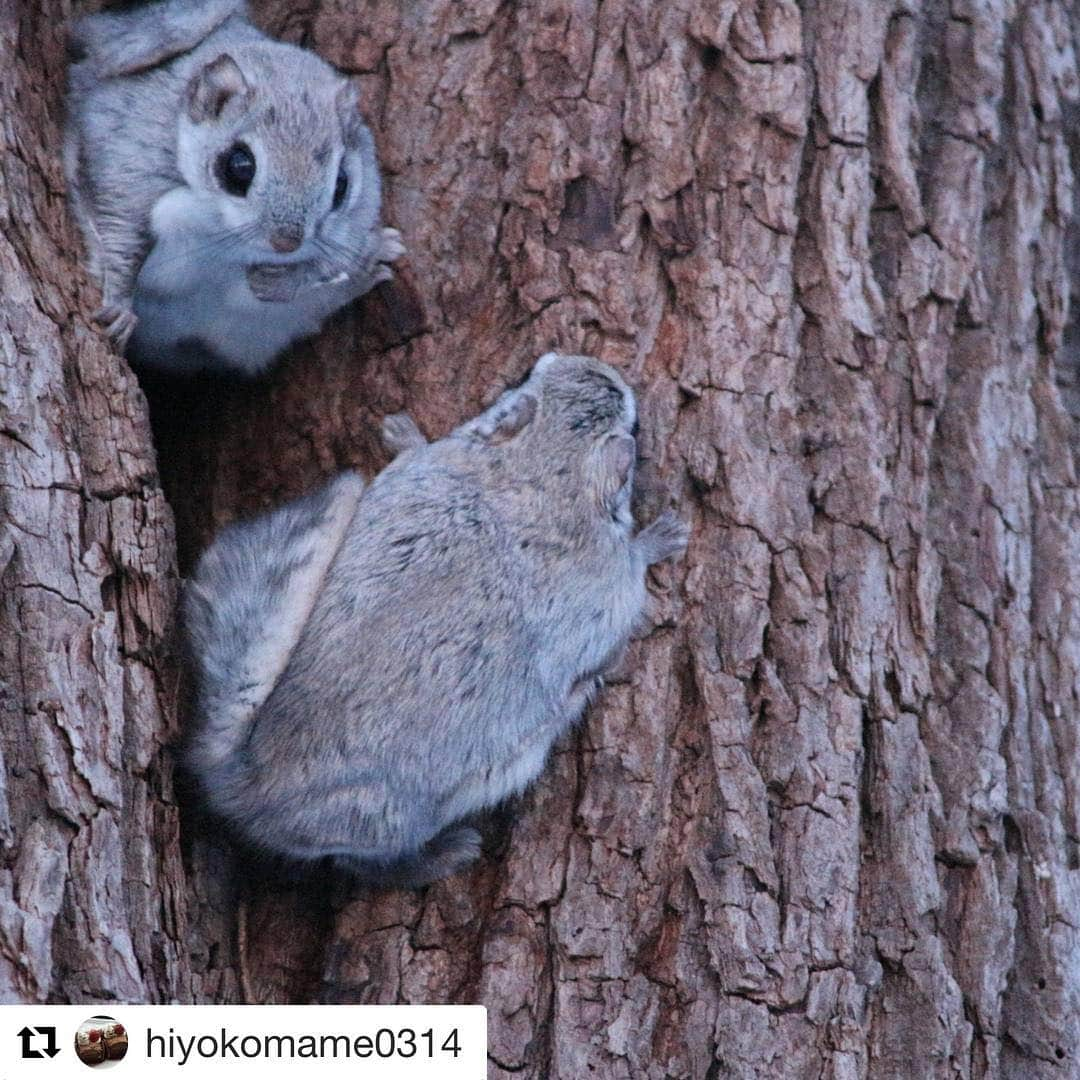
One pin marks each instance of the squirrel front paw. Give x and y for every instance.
(118, 321)
(390, 246)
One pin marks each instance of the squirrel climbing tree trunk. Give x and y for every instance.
(828, 823)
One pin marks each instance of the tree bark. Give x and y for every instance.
(829, 823)
(92, 891)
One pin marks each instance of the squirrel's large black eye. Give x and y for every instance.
(340, 188)
(236, 169)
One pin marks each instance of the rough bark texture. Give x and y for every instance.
(92, 892)
(830, 824)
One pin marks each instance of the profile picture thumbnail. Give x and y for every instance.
(100, 1041)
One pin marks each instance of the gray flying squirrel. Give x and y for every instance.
(224, 182)
(375, 664)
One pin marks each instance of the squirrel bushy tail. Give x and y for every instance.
(245, 607)
(126, 42)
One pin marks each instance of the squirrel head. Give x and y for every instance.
(281, 148)
(575, 416)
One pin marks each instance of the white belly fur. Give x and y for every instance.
(193, 287)
(223, 315)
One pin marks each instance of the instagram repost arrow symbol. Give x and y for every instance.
(26, 1035)
(51, 1049)
(50, 1035)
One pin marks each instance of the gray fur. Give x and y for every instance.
(156, 96)
(483, 586)
(262, 576)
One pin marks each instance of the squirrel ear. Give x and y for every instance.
(617, 454)
(347, 102)
(502, 424)
(213, 87)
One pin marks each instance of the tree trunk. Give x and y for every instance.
(829, 824)
(92, 892)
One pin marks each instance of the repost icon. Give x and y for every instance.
(38, 1042)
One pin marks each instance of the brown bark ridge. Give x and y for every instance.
(829, 823)
(92, 891)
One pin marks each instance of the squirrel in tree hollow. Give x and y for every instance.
(224, 182)
(376, 664)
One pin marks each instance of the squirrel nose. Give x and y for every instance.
(287, 238)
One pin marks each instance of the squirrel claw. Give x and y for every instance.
(400, 433)
(390, 246)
